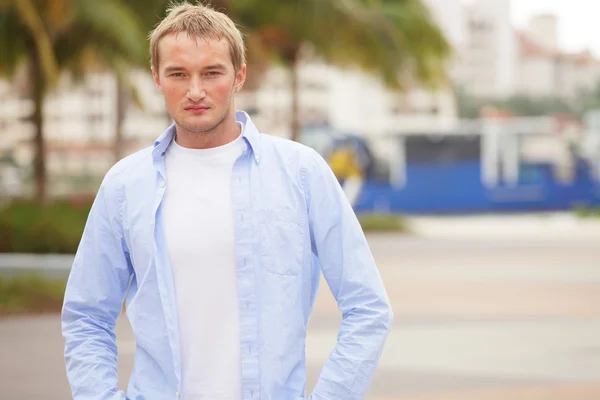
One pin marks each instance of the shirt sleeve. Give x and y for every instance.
(340, 245)
(97, 284)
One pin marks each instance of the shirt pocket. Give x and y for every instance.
(281, 235)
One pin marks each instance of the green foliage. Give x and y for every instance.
(389, 38)
(530, 106)
(28, 227)
(395, 41)
(588, 212)
(421, 48)
(468, 106)
(46, 37)
(383, 223)
(75, 33)
(30, 294)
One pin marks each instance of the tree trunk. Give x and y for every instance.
(120, 118)
(39, 161)
(295, 93)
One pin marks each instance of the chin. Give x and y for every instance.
(199, 127)
(195, 124)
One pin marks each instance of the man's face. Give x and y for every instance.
(198, 81)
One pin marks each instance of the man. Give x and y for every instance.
(217, 236)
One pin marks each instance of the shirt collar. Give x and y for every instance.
(249, 133)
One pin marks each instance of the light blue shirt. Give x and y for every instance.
(292, 222)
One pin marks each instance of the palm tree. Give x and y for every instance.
(50, 36)
(149, 13)
(396, 40)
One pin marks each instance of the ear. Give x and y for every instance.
(240, 78)
(156, 80)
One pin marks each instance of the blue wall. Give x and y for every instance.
(457, 188)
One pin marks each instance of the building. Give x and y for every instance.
(545, 70)
(348, 100)
(543, 30)
(488, 58)
(449, 14)
(497, 61)
(80, 121)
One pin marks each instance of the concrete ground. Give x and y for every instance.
(487, 308)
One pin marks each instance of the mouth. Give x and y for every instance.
(196, 109)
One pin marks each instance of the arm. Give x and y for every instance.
(93, 301)
(350, 271)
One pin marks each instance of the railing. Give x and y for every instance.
(43, 264)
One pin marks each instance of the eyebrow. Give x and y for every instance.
(174, 69)
(217, 66)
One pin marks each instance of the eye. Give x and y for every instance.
(213, 73)
(177, 74)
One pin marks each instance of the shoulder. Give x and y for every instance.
(128, 169)
(305, 158)
(302, 165)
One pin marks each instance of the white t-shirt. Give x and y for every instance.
(200, 239)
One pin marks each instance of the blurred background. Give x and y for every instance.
(465, 133)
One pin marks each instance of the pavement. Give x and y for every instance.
(486, 308)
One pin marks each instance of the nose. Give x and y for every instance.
(196, 90)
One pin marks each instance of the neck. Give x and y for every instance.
(227, 131)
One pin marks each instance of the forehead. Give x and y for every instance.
(189, 51)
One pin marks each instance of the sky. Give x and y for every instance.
(578, 20)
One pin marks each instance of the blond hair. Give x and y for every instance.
(199, 21)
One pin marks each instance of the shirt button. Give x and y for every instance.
(176, 394)
(162, 184)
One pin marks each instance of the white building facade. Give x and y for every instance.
(488, 58)
(545, 70)
(350, 101)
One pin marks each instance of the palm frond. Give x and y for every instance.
(30, 17)
(12, 46)
(113, 22)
